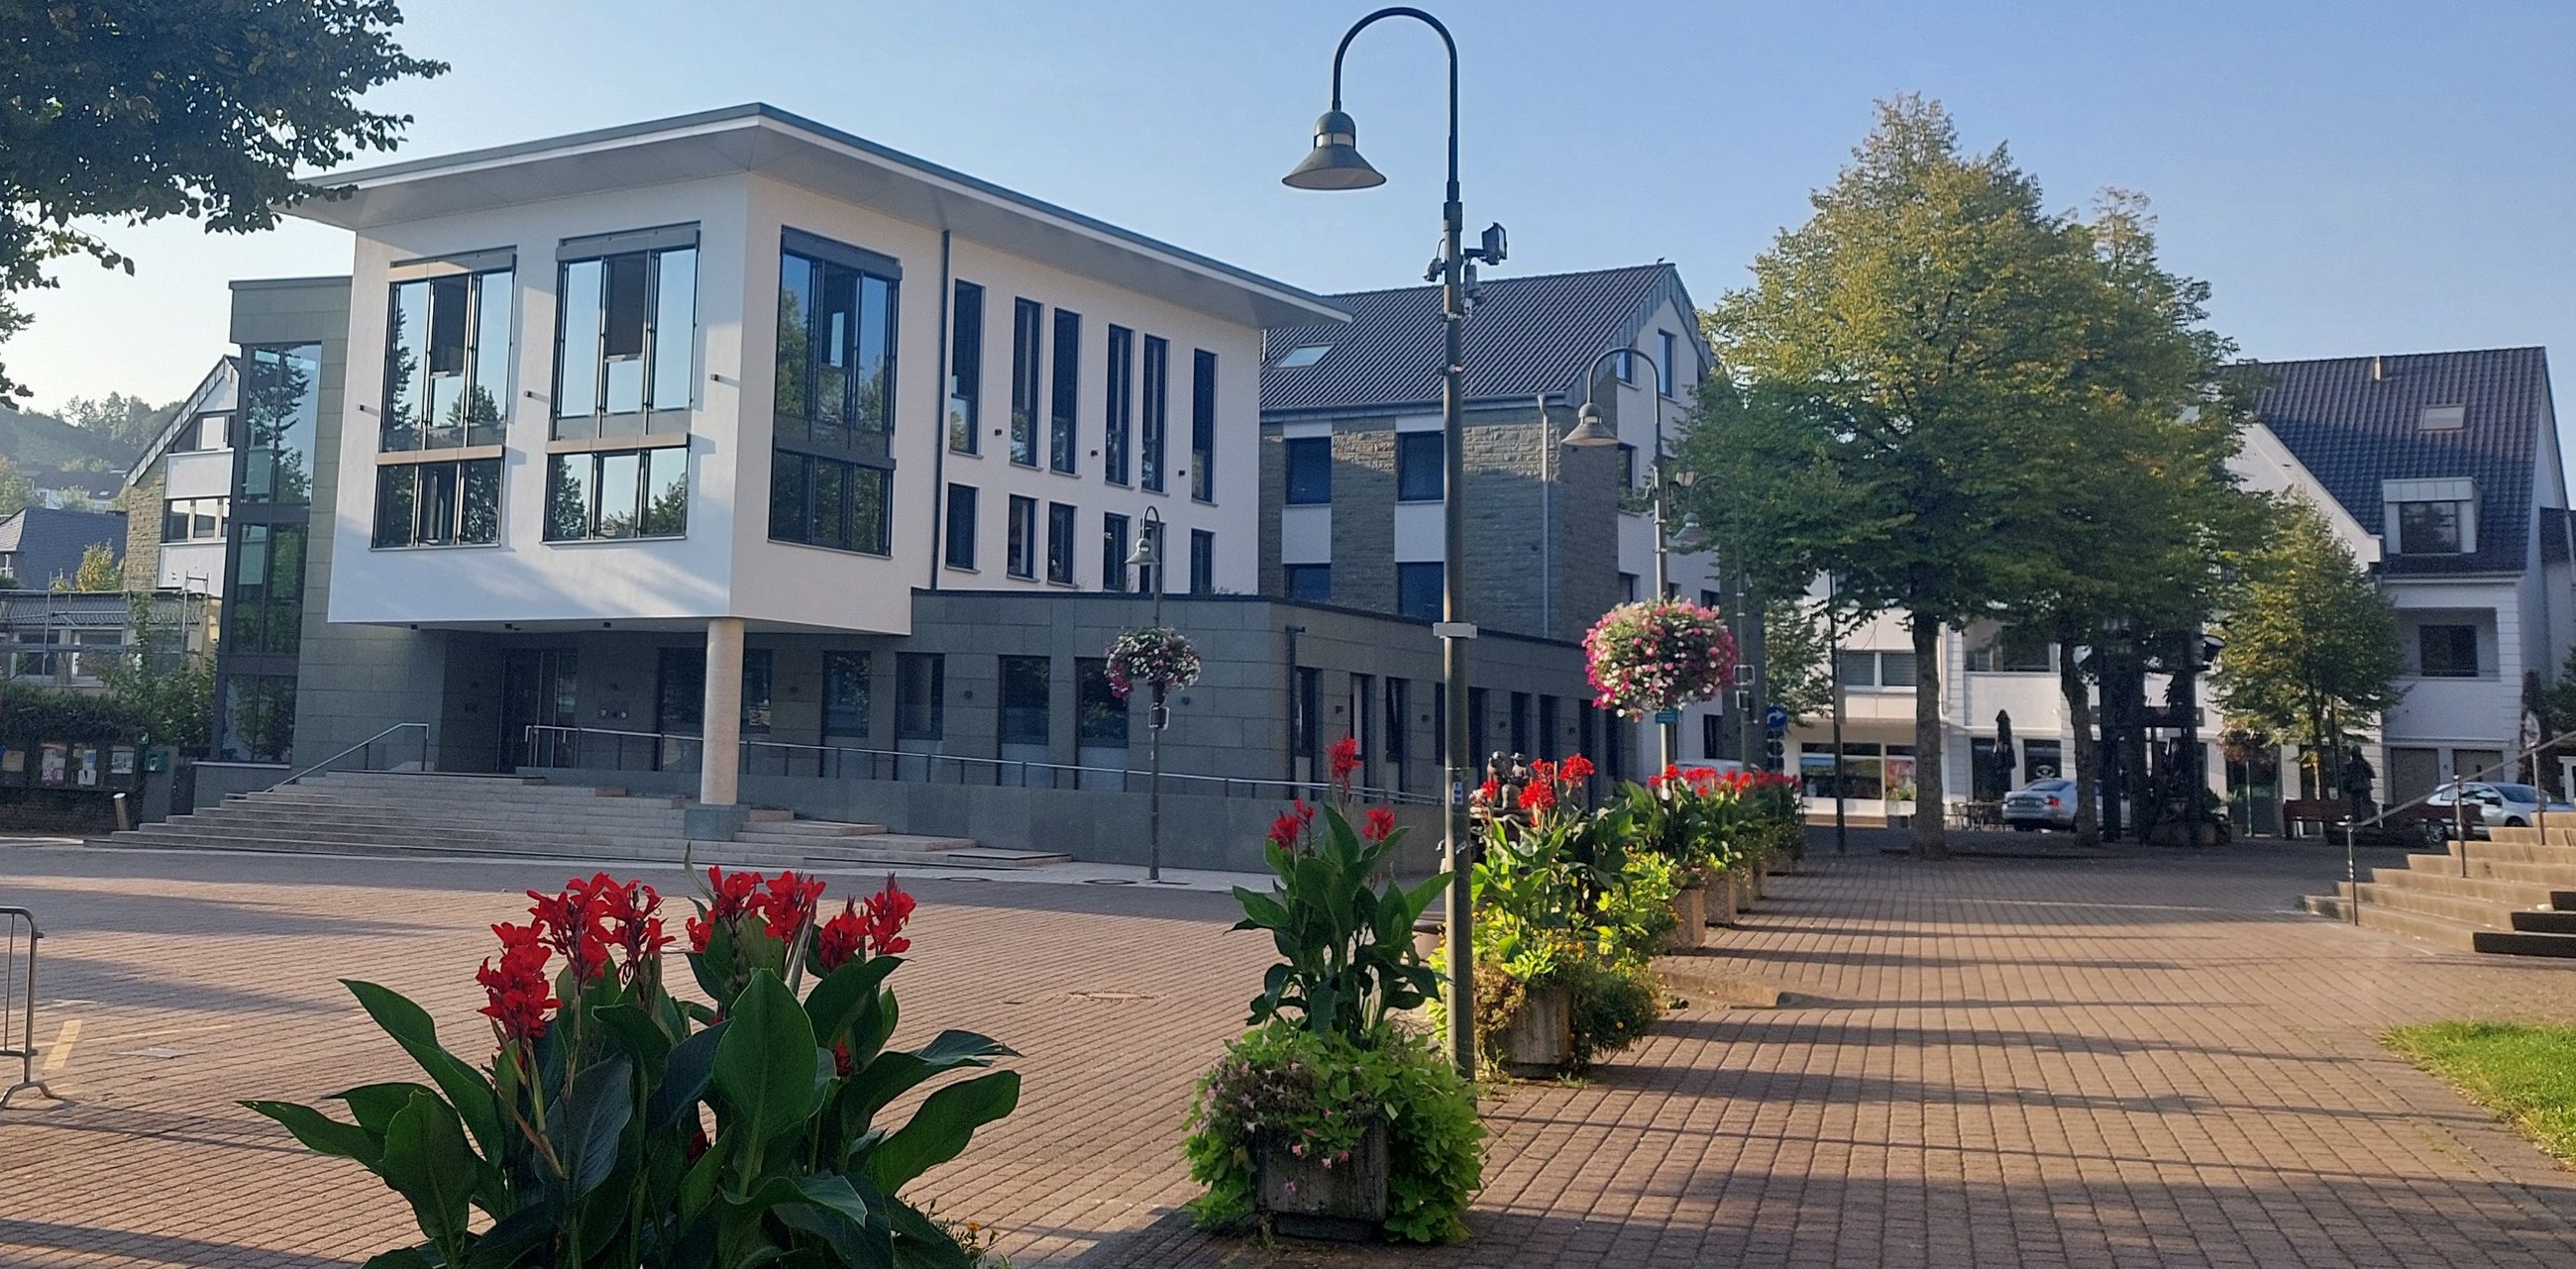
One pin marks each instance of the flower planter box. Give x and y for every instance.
(1722, 898)
(1345, 1202)
(1539, 1043)
(1690, 917)
(1744, 889)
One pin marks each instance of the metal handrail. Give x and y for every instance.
(363, 744)
(899, 759)
(24, 1010)
(2352, 826)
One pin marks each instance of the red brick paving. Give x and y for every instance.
(2141, 1061)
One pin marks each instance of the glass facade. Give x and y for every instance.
(1100, 714)
(447, 361)
(625, 343)
(280, 397)
(618, 494)
(438, 504)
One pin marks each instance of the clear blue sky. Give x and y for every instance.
(2352, 177)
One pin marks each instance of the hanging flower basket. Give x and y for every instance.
(1157, 658)
(1660, 654)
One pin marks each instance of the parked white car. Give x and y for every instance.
(2041, 804)
(2492, 805)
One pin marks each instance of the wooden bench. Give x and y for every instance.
(2321, 812)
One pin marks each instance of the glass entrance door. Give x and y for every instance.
(538, 713)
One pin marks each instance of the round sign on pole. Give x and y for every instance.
(1775, 718)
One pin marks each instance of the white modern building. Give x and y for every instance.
(178, 494)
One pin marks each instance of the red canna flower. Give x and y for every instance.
(1380, 825)
(517, 992)
(788, 905)
(1542, 771)
(1538, 797)
(840, 939)
(1345, 757)
(887, 911)
(1575, 770)
(1490, 792)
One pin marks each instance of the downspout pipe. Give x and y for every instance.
(939, 418)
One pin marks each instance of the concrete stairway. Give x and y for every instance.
(2516, 896)
(389, 813)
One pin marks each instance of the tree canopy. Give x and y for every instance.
(2312, 651)
(137, 110)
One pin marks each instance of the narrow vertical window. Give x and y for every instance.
(1027, 316)
(1113, 551)
(960, 544)
(1120, 419)
(1158, 405)
(1059, 544)
(1202, 562)
(1065, 409)
(1310, 470)
(577, 350)
(966, 369)
(1666, 374)
(1203, 426)
(831, 473)
(1021, 558)
(921, 695)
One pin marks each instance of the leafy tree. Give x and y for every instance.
(128, 421)
(145, 109)
(1794, 668)
(2312, 650)
(1902, 402)
(98, 570)
(167, 692)
(16, 491)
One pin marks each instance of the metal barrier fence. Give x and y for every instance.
(549, 745)
(18, 1000)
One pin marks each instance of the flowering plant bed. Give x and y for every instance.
(1157, 658)
(1331, 1117)
(619, 1125)
(1658, 654)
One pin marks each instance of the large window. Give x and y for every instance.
(1028, 318)
(439, 504)
(2447, 652)
(836, 341)
(447, 361)
(819, 501)
(1310, 470)
(1309, 583)
(2430, 528)
(1877, 669)
(1024, 700)
(193, 519)
(618, 494)
(280, 402)
(1113, 551)
(1666, 351)
(1059, 543)
(2014, 650)
(1418, 466)
(845, 695)
(264, 605)
(1158, 409)
(1120, 421)
(1099, 712)
(259, 718)
(1417, 591)
(920, 695)
(966, 370)
(625, 335)
(1065, 408)
(1022, 559)
(1202, 562)
(1203, 426)
(961, 527)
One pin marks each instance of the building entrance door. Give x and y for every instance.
(538, 713)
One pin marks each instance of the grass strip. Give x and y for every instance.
(2526, 1075)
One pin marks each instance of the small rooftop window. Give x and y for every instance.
(2444, 418)
(1302, 355)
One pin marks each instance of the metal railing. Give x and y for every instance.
(18, 1000)
(366, 748)
(604, 748)
(2459, 816)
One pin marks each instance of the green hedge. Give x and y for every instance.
(31, 715)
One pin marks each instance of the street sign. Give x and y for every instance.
(1771, 749)
(1775, 718)
(1668, 716)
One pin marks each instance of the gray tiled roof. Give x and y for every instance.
(46, 542)
(2352, 431)
(1525, 336)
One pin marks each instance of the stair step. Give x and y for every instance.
(2518, 943)
(2544, 921)
(2458, 936)
(815, 828)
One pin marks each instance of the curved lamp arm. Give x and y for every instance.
(1408, 11)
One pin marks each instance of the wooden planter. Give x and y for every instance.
(1690, 917)
(1539, 1043)
(1301, 1198)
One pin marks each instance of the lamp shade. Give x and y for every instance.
(1589, 431)
(1335, 162)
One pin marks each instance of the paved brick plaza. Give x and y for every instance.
(2142, 1061)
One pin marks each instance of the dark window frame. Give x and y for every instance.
(966, 368)
(649, 460)
(652, 417)
(1309, 471)
(1202, 425)
(1018, 721)
(1294, 577)
(1061, 517)
(1020, 558)
(1101, 718)
(2456, 637)
(1408, 577)
(805, 521)
(1202, 562)
(1154, 449)
(1028, 330)
(1119, 404)
(2453, 527)
(416, 523)
(958, 547)
(1411, 465)
(1114, 545)
(1064, 406)
(839, 669)
(409, 426)
(930, 722)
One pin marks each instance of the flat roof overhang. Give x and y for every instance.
(762, 139)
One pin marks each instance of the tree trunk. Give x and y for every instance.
(1931, 838)
(2088, 758)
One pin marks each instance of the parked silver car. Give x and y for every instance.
(2494, 805)
(2041, 804)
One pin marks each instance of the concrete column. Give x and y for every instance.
(720, 769)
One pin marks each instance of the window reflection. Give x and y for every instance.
(626, 344)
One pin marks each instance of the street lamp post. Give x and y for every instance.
(1158, 715)
(1335, 164)
(1590, 432)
